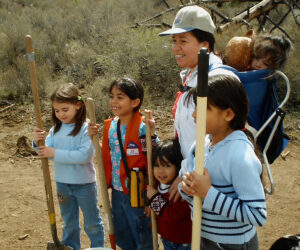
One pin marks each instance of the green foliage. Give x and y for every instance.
(91, 43)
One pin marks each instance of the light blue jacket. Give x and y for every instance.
(73, 159)
(235, 203)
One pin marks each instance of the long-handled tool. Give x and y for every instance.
(103, 185)
(45, 166)
(200, 141)
(150, 178)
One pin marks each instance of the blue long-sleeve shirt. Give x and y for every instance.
(235, 203)
(73, 159)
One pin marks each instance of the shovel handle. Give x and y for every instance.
(203, 58)
(38, 116)
(151, 178)
(103, 185)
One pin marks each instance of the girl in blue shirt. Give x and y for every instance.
(71, 149)
(231, 188)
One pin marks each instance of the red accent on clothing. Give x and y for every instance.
(174, 222)
(134, 161)
(178, 95)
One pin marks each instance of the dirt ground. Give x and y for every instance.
(23, 211)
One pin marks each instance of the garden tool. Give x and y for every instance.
(151, 179)
(56, 244)
(202, 82)
(102, 183)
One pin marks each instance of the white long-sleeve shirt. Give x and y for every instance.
(184, 123)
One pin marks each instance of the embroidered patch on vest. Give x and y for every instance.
(132, 149)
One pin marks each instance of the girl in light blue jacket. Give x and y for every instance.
(69, 146)
(231, 188)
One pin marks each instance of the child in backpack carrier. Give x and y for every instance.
(257, 52)
(270, 52)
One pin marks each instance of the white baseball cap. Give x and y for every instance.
(190, 18)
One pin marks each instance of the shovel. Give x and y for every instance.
(151, 179)
(56, 244)
(103, 186)
(200, 141)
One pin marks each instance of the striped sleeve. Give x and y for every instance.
(246, 211)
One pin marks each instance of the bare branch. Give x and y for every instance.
(6, 108)
(292, 10)
(153, 25)
(225, 18)
(278, 27)
(157, 16)
(296, 4)
(165, 1)
(254, 12)
(280, 21)
(258, 11)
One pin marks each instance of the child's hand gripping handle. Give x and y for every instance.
(38, 115)
(103, 185)
(203, 58)
(150, 177)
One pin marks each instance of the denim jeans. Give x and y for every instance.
(71, 197)
(168, 245)
(252, 244)
(132, 226)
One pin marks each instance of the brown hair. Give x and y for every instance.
(68, 93)
(276, 47)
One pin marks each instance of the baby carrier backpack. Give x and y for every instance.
(265, 114)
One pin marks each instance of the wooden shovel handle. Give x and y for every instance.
(151, 178)
(38, 116)
(203, 59)
(103, 185)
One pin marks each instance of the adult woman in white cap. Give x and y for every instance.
(193, 29)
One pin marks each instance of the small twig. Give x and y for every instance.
(6, 108)
(292, 10)
(153, 25)
(284, 155)
(23, 237)
(281, 20)
(32, 157)
(225, 18)
(296, 4)
(278, 27)
(165, 1)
